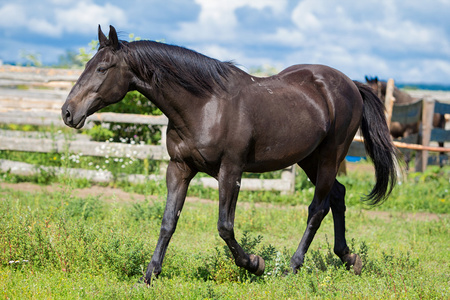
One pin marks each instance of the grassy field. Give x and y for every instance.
(60, 242)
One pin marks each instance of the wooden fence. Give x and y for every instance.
(34, 96)
(421, 111)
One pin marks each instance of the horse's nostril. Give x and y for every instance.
(67, 114)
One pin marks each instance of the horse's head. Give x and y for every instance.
(105, 80)
(372, 82)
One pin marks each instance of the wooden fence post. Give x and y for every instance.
(288, 175)
(389, 104)
(163, 164)
(427, 126)
(389, 101)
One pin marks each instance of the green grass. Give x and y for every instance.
(417, 192)
(56, 245)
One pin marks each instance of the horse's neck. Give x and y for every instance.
(177, 104)
(402, 97)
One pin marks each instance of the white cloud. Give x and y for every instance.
(62, 2)
(217, 20)
(307, 15)
(62, 16)
(365, 37)
(433, 70)
(12, 15)
(219, 52)
(236, 55)
(43, 26)
(374, 37)
(85, 16)
(405, 39)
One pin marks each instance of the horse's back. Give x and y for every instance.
(313, 73)
(295, 110)
(324, 87)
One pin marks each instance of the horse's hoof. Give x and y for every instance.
(260, 264)
(353, 261)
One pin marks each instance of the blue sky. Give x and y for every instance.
(405, 40)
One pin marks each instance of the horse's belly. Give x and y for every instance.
(282, 153)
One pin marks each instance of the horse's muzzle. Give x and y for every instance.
(69, 118)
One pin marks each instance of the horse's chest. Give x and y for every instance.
(203, 154)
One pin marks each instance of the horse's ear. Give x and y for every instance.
(113, 39)
(103, 41)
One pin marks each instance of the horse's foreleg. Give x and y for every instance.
(337, 203)
(228, 193)
(178, 177)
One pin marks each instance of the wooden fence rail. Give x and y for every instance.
(34, 142)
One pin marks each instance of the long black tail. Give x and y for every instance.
(378, 144)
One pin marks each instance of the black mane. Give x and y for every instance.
(162, 63)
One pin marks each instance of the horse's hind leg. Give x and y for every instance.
(329, 193)
(337, 203)
(322, 175)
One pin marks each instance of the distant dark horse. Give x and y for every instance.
(223, 121)
(397, 129)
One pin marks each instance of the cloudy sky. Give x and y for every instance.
(405, 40)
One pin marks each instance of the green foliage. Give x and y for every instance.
(416, 192)
(133, 103)
(100, 133)
(263, 71)
(85, 55)
(220, 266)
(31, 59)
(18, 127)
(427, 191)
(64, 236)
(124, 256)
(84, 208)
(72, 59)
(147, 210)
(69, 60)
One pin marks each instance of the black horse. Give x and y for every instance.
(223, 121)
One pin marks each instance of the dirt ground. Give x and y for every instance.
(115, 194)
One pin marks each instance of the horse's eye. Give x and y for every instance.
(102, 70)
